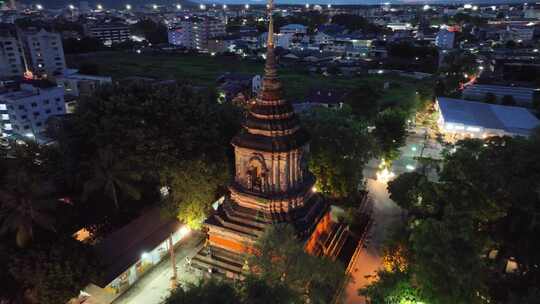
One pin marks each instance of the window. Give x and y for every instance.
(57, 99)
(33, 104)
(48, 111)
(9, 49)
(5, 117)
(36, 113)
(21, 107)
(59, 109)
(26, 127)
(38, 124)
(3, 107)
(24, 117)
(46, 101)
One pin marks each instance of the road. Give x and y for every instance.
(154, 286)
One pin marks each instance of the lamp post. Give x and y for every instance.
(173, 263)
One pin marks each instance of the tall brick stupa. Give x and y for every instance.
(272, 182)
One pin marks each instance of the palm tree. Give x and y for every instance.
(24, 203)
(112, 176)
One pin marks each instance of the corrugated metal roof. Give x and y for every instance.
(514, 120)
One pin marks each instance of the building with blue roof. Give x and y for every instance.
(460, 118)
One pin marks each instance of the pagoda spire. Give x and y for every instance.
(270, 67)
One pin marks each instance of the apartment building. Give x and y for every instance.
(44, 52)
(109, 33)
(195, 32)
(11, 60)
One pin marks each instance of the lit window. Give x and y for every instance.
(3, 107)
(5, 117)
(8, 126)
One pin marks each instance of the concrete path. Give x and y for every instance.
(385, 214)
(154, 286)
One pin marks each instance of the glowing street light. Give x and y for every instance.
(329, 6)
(100, 7)
(178, 7)
(202, 6)
(128, 7)
(224, 6)
(307, 5)
(467, 6)
(426, 7)
(71, 7)
(246, 6)
(475, 8)
(39, 6)
(155, 6)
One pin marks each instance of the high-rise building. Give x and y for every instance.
(44, 52)
(195, 32)
(11, 57)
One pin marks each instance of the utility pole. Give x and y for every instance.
(173, 263)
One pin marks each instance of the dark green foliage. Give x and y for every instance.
(355, 23)
(281, 259)
(390, 132)
(54, 273)
(490, 98)
(508, 100)
(152, 31)
(454, 69)
(340, 147)
(486, 199)
(83, 45)
(208, 292)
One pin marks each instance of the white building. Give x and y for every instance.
(445, 39)
(468, 119)
(25, 111)
(11, 60)
(293, 29)
(519, 33)
(44, 52)
(400, 26)
(76, 84)
(195, 32)
(322, 38)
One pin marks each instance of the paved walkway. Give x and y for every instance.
(385, 214)
(154, 286)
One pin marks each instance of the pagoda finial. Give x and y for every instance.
(270, 42)
(270, 67)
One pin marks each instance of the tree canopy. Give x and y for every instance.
(466, 227)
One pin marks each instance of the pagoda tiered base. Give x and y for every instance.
(233, 230)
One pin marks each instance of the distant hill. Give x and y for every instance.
(106, 3)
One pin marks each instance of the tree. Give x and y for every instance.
(508, 100)
(210, 292)
(340, 148)
(112, 176)
(25, 198)
(490, 98)
(53, 273)
(390, 132)
(364, 101)
(464, 228)
(153, 32)
(192, 188)
(280, 259)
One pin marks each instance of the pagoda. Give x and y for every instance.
(272, 182)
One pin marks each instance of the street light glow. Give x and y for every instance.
(224, 6)
(155, 6)
(71, 7)
(307, 5)
(426, 7)
(329, 6)
(246, 6)
(178, 7)
(39, 6)
(202, 6)
(100, 7)
(128, 7)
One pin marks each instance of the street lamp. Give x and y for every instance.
(246, 6)
(202, 6)
(100, 7)
(307, 5)
(155, 6)
(71, 7)
(329, 6)
(178, 7)
(128, 7)
(224, 6)
(39, 6)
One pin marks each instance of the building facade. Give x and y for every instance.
(445, 39)
(25, 111)
(195, 32)
(110, 33)
(11, 56)
(44, 52)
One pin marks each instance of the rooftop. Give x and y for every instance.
(514, 120)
